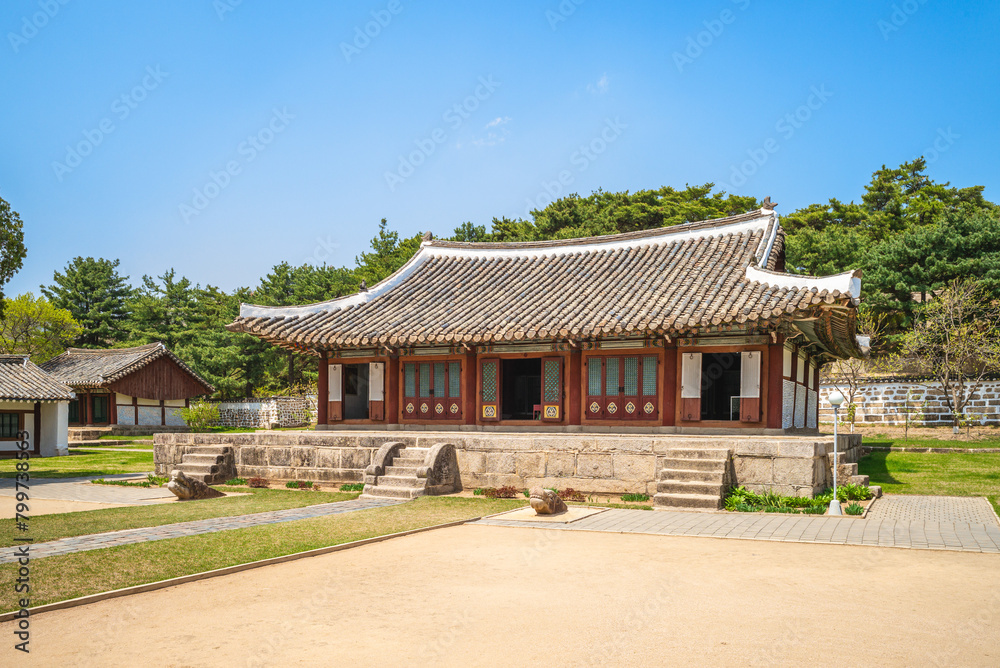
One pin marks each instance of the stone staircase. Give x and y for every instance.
(692, 479)
(400, 479)
(211, 464)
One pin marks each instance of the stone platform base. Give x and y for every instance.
(611, 463)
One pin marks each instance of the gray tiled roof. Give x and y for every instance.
(85, 367)
(667, 281)
(21, 380)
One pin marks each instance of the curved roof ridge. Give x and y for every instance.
(847, 283)
(431, 249)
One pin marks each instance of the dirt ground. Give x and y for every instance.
(484, 596)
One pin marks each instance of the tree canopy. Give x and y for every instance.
(12, 250)
(96, 296)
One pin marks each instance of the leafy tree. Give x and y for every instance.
(389, 253)
(911, 267)
(33, 326)
(96, 296)
(12, 250)
(829, 250)
(956, 342)
(163, 311)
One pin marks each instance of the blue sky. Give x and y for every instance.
(220, 137)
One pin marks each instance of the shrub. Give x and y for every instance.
(352, 487)
(505, 492)
(305, 484)
(292, 484)
(256, 482)
(157, 480)
(200, 415)
(815, 510)
(853, 492)
(635, 497)
(481, 491)
(570, 494)
(854, 509)
(527, 493)
(236, 481)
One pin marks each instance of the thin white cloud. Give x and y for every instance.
(499, 120)
(599, 88)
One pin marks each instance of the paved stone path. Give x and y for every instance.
(917, 534)
(934, 509)
(80, 489)
(128, 536)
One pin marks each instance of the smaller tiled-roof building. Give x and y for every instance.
(140, 386)
(34, 408)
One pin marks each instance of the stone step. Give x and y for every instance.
(668, 501)
(413, 453)
(197, 469)
(698, 453)
(391, 492)
(716, 476)
(412, 462)
(689, 487)
(694, 464)
(200, 458)
(400, 481)
(370, 480)
(210, 450)
(410, 471)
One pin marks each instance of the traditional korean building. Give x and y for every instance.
(692, 328)
(141, 386)
(33, 408)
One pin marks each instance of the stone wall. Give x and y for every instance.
(586, 462)
(262, 413)
(885, 402)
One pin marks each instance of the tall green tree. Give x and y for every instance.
(911, 267)
(96, 296)
(33, 326)
(389, 253)
(12, 250)
(162, 310)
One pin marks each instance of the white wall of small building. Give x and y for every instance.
(149, 411)
(53, 435)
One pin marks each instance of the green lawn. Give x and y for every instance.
(125, 437)
(925, 442)
(83, 462)
(957, 474)
(51, 527)
(69, 576)
(111, 445)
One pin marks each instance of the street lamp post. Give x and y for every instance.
(835, 399)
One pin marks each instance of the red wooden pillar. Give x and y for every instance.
(470, 388)
(112, 408)
(163, 413)
(135, 407)
(88, 411)
(668, 386)
(574, 410)
(775, 391)
(322, 390)
(392, 390)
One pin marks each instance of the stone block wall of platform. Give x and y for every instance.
(586, 462)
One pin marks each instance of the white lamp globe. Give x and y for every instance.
(835, 399)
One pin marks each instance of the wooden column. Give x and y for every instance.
(775, 362)
(37, 428)
(574, 410)
(88, 410)
(135, 406)
(668, 387)
(470, 389)
(392, 390)
(322, 390)
(112, 409)
(163, 413)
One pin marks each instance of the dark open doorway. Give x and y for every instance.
(720, 383)
(520, 388)
(355, 391)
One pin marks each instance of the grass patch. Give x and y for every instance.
(111, 445)
(635, 498)
(150, 481)
(352, 487)
(83, 462)
(883, 440)
(958, 474)
(64, 525)
(72, 575)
